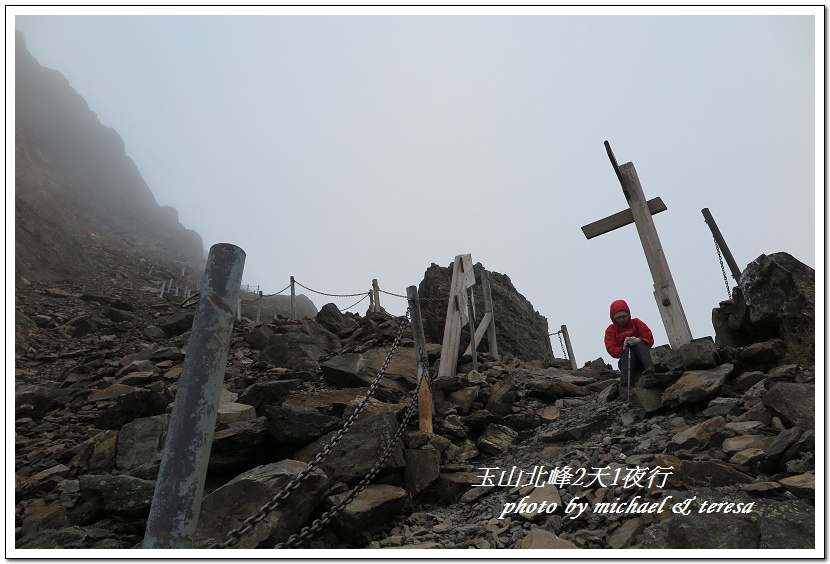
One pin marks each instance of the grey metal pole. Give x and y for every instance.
(727, 254)
(174, 513)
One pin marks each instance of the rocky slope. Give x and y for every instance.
(715, 450)
(75, 187)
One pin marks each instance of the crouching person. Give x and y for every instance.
(629, 336)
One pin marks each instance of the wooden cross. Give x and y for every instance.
(639, 213)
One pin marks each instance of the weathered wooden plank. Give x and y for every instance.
(620, 219)
(452, 326)
(665, 292)
(482, 327)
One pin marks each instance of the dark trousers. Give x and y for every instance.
(640, 360)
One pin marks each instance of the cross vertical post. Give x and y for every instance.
(665, 292)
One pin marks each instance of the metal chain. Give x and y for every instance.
(725, 278)
(562, 344)
(278, 293)
(326, 517)
(233, 537)
(354, 304)
(329, 295)
(391, 294)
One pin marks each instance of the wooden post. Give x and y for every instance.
(473, 340)
(293, 301)
(456, 317)
(727, 255)
(665, 293)
(258, 309)
(161, 294)
(568, 347)
(376, 293)
(425, 404)
(239, 308)
(371, 301)
(488, 309)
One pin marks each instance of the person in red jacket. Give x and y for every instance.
(627, 335)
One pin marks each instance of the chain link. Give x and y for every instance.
(391, 294)
(326, 517)
(562, 344)
(725, 278)
(233, 537)
(354, 304)
(329, 295)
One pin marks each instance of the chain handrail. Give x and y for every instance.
(233, 537)
(391, 294)
(354, 304)
(326, 517)
(329, 295)
(725, 278)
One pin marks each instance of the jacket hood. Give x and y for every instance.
(619, 305)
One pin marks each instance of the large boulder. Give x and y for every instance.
(776, 298)
(226, 508)
(520, 330)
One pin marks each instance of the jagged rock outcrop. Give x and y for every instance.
(521, 331)
(775, 299)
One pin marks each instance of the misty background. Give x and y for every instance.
(344, 148)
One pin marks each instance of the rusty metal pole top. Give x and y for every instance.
(174, 513)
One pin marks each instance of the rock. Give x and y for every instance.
(624, 536)
(358, 450)
(375, 505)
(701, 473)
(235, 412)
(129, 404)
(779, 289)
(496, 439)
(697, 385)
(260, 394)
(241, 445)
(225, 508)
(733, 445)
(141, 441)
(422, 469)
(332, 319)
(795, 403)
(258, 337)
(699, 354)
(293, 425)
(502, 397)
(464, 398)
(177, 323)
(552, 389)
(119, 495)
(96, 455)
(761, 353)
(522, 332)
(539, 538)
(782, 524)
(804, 485)
(700, 434)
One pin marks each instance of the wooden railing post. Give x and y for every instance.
(425, 405)
(568, 347)
(376, 293)
(488, 308)
(293, 301)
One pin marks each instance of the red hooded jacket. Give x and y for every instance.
(615, 335)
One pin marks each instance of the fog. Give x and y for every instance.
(350, 145)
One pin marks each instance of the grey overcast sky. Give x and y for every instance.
(342, 145)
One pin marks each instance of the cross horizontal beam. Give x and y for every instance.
(621, 219)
